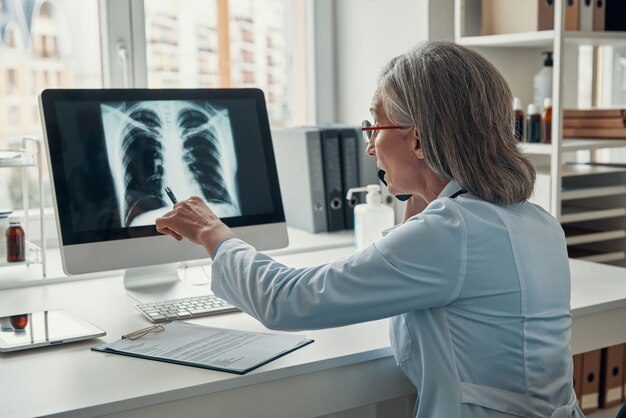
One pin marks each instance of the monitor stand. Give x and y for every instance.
(166, 282)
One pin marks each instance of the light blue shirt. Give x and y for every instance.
(478, 294)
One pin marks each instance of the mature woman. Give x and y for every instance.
(476, 279)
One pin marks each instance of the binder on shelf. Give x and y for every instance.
(590, 390)
(612, 376)
(333, 185)
(586, 15)
(598, 15)
(572, 15)
(578, 376)
(348, 139)
(545, 15)
(298, 153)
(614, 20)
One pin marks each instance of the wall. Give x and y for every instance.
(367, 34)
(371, 32)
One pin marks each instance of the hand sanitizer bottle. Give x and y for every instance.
(370, 218)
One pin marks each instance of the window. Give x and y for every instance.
(49, 47)
(11, 81)
(248, 77)
(10, 37)
(187, 44)
(46, 10)
(247, 57)
(246, 35)
(203, 59)
(40, 64)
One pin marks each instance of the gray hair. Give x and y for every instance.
(462, 109)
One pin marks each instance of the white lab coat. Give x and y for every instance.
(478, 294)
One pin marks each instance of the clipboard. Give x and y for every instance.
(211, 348)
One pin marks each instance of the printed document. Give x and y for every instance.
(213, 348)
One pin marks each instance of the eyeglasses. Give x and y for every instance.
(140, 333)
(370, 130)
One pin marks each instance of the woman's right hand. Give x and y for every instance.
(192, 219)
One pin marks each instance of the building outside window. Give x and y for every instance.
(43, 44)
(188, 32)
(188, 44)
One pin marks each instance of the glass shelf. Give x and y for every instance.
(17, 158)
(24, 159)
(33, 256)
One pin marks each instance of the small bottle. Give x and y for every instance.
(16, 241)
(542, 81)
(19, 322)
(533, 124)
(370, 218)
(519, 119)
(546, 121)
(4, 225)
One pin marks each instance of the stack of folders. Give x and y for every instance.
(594, 123)
(599, 378)
(316, 167)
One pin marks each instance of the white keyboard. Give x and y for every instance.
(185, 308)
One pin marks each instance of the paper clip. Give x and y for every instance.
(141, 332)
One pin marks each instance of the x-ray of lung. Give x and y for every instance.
(186, 145)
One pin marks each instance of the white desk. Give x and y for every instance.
(345, 368)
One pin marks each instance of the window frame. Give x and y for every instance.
(124, 60)
(123, 44)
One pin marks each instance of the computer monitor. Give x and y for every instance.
(111, 153)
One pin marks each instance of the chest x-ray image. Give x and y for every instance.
(186, 145)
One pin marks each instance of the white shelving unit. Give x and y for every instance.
(25, 159)
(543, 38)
(589, 200)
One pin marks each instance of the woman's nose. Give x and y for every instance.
(371, 150)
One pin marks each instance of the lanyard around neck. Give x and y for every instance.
(460, 192)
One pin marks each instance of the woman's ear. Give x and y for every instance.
(417, 147)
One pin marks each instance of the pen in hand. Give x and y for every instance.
(170, 194)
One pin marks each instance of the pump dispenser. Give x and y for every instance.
(370, 218)
(542, 82)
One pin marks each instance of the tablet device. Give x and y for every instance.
(39, 329)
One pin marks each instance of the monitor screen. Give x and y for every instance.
(113, 151)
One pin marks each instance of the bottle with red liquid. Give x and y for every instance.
(19, 322)
(546, 121)
(16, 241)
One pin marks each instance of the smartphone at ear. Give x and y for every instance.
(401, 197)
